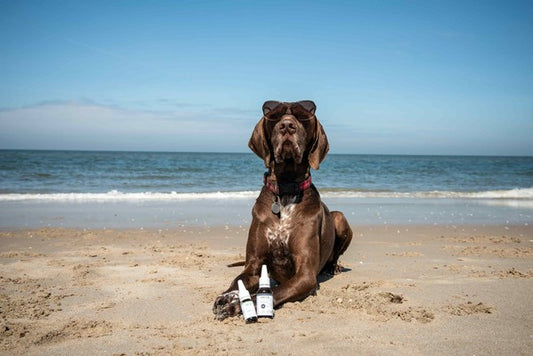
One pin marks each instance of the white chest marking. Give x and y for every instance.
(281, 231)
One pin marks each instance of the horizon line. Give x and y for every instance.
(243, 152)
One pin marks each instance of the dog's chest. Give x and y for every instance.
(280, 232)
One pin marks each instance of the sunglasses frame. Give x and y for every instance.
(298, 117)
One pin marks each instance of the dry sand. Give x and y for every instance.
(404, 290)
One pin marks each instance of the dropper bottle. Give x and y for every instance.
(247, 306)
(265, 299)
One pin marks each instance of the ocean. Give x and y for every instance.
(501, 188)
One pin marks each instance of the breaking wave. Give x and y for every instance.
(117, 196)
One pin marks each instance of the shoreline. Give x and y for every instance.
(405, 289)
(237, 212)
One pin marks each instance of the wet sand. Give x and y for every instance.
(436, 290)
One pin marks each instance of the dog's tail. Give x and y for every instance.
(237, 264)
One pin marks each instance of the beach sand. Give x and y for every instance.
(428, 290)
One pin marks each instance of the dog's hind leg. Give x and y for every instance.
(343, 237)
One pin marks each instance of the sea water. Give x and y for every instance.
(151, 189)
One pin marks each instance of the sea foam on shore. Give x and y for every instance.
(116, 196)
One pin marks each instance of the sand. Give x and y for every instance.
(405, 290)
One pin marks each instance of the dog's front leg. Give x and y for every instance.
(304, 282)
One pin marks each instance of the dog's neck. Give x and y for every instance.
(289, 172)
(288, 184)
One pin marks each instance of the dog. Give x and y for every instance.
(292, 230)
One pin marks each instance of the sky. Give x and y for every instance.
(388, 77)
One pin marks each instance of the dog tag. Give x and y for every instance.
(276, 208)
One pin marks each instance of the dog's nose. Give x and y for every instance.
(287, 125)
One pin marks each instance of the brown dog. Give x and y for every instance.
(292, 231)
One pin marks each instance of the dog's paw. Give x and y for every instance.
(227, 305)
(332, 269)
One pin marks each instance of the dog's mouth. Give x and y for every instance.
(288, 151)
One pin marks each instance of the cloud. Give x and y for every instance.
(89, 125)
(85, 124)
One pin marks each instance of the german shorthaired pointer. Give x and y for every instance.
(292, 231)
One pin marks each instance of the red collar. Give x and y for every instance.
(290, 188)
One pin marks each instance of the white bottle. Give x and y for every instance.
(265, 299)
(247, 306)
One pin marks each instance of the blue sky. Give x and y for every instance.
(398, 77)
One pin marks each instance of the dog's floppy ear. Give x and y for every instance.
(308, 105)
(270, 105)
(258, 142)
(320, 147)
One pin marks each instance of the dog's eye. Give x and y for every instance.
(301, 114)
(303, 117)
(274, 117)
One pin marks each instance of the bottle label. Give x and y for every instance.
(265, 305)
(248, 310)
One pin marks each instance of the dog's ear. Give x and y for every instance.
(259, 144)
(308, 105)
(270, 105)
(320, 147)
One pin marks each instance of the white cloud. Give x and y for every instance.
(88, 125)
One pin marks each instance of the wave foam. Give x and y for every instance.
(524, 193)
(116, 196)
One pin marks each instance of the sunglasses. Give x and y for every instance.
(276, 110)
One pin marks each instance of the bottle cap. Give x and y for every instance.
(264, 280)
(243, 292)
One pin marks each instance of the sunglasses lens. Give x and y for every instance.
(296, 111)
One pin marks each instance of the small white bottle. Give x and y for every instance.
(265, 299)
(247, 306)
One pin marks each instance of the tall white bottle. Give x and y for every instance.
(265, 299)
(247, 306)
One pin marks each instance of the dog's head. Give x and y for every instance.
(289, 133)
